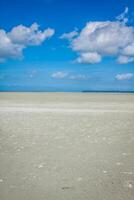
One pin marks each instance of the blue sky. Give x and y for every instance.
(74, 45)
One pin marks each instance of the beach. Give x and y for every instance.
(66, 146)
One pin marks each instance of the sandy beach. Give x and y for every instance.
(66, 146)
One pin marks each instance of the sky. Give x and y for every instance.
(74, 45)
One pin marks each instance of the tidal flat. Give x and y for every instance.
(66, 146)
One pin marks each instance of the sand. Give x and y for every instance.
(66, 146)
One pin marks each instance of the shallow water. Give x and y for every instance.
(66, 146)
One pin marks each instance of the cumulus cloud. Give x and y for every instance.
(20, 37)
(126, 76)
(62, 75)
(129, 50)
(125, 59)
(8, 49)
(103, 39)
(92, 57)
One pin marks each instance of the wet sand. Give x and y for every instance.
(66, 146)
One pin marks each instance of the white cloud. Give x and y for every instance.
(59, 75)
(70, 35)
(29, 35)
(20, 37)
(126, 76)
(122, 17)
(129, 50)
(125, 59)
(79, 77)
(7, 48)
(62, 75)
(92, 57)
(103, 39)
